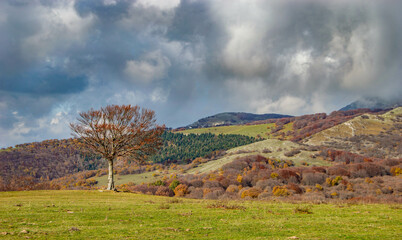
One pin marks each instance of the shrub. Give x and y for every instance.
(313, 178)
(292, 153)
(196, 183)
(214, 194)
(289, 174)
(181, 190)
(211, 184)
(266, 150)
(159, 183)
(319, 169)
(196, 193)
(164, 191)
(333, 181)
(280, 191)
(274, 175)
(239, 178)
(232, 189)
(336, 170)
(265, 195)
(318, 187)
(251, 192)
(368, 180)
(174, 184)
(91, 182)
(396, 171)
(294, 187)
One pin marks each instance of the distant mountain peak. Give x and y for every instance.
(373, 103)
(232, 118)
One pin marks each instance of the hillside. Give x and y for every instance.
(232, 118)
(257, 131)
(372, 135)
(373, 103)
(288, 128)
(29, 164)
(270, 148)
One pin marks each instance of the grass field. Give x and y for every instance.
(110, 215)
(145, 177)
(247, 130)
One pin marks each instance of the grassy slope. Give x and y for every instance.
(277, 147)
(145, 177)
(109, 215)
(248, 130)
(356, 126)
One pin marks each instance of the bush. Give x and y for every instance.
(232, 189)
(196, 193)
(318, 187)
(174, 184)
(196, 183)
(292, 153)
(212, 184)
(289, 175)
(214, 194)
(265, 195)
(396, 171)
(181, 190)
(159, 183)
(339, 171)
(333, 181)
(164, 191)
(313, 178)
(280, 191)
(251, 192)
(294, 187)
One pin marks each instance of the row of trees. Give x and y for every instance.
(180, 148)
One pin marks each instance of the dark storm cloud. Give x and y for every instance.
(44, 81)
(189, 59)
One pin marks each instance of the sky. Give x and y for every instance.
(190, 59)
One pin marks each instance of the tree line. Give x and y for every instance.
(181, 148)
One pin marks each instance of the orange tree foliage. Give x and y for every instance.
(119, 131)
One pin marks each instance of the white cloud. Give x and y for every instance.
(60, 27)
(159, 95)
(285, 105)
(152, 66)
(161, 4)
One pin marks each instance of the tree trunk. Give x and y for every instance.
(110, 185)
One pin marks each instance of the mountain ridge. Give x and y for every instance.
(372, 103)
(233, 118)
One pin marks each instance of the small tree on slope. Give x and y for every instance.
(118, 131)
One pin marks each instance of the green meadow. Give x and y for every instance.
(111, 215)
(247, 130)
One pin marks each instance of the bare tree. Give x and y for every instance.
(119, 131)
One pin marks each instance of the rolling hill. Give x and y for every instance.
(232, 118)
(371, 135)
(373, 103)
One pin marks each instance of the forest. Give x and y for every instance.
(28, 164)
(180, 148)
